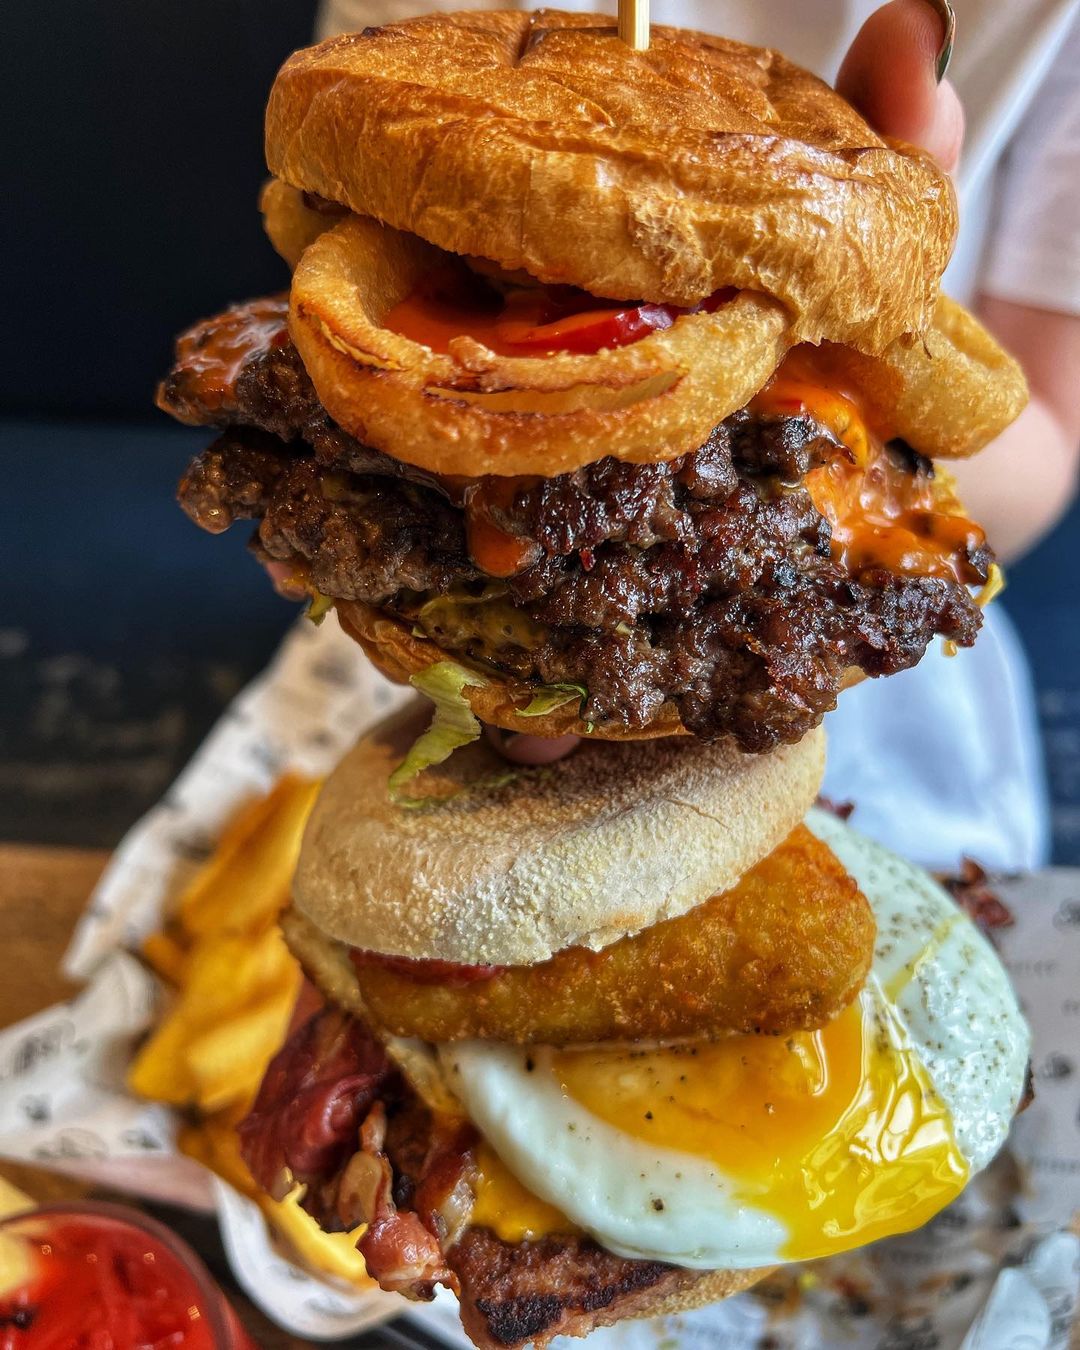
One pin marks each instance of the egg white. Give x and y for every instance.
(950, 996)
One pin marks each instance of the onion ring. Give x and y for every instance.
(473, 412)
(948, 392)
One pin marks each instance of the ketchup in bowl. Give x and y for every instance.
(101, 1277)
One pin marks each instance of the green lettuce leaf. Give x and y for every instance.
(453, 725)
(548, 697)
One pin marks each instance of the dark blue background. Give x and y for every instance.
(130, 211)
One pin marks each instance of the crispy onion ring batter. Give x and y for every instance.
(786, 948)
(947, 392)
(475, 412)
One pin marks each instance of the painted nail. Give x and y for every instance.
(945, 12)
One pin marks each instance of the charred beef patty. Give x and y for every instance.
(335, 1114)
(709, 581)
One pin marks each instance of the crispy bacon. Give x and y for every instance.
(318, 1088)
(972, 891)
(841, 810)
(335, 1114)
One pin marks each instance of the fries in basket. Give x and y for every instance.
(234, 985)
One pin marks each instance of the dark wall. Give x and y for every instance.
(131, 165)
(133, 158)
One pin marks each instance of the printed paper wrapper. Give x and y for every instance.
(998, 1270)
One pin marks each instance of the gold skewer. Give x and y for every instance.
(634, 23)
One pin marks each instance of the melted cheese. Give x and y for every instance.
(508, 1208)
(880, 513)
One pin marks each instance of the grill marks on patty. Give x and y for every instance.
(558, 1286)
(707, 581)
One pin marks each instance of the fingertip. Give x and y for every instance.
(947, 133)
(890, 76)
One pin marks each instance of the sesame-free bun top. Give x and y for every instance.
(541, 141)
(507, 866)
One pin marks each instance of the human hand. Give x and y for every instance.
(894, 74)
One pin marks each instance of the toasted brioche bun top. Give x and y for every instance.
(507, 866)
(541, 141)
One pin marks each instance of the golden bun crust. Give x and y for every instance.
(542, 142)
(701, 1289)
(508, 869)
(395, 650)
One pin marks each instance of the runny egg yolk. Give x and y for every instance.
(838, 1133)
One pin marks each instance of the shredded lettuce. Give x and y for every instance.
(548, 697)
(454, 724)
(319, 607)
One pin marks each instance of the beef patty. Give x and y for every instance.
(708, 581)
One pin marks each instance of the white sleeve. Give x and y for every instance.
(1034, 254)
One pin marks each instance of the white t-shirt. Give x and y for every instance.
(944, 759)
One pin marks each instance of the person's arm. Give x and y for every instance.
(1022, 483)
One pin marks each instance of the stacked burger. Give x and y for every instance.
(605, 399)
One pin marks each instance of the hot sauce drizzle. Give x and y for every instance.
(883, 512)
(211, 356)
(527, 320)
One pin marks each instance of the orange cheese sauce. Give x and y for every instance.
(508, 1208)
(494, 551)
(435, 317)
(881, 514)
(838, 1133)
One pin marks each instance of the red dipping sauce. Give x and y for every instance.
(101, 1277)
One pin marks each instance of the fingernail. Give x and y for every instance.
(945, 12)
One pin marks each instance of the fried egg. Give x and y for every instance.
(754, 1150)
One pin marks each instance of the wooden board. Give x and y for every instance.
(42, 891)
